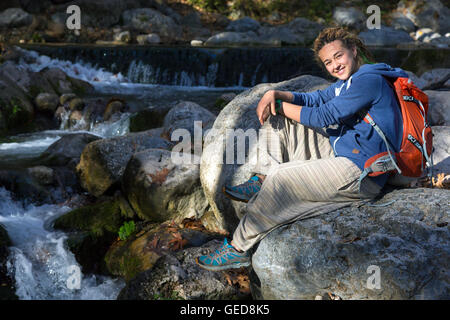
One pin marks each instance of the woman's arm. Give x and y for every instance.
(266, 105)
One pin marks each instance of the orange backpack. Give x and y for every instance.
(416, 148)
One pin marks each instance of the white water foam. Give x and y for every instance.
(40, 263)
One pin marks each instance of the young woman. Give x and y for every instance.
(310, 170)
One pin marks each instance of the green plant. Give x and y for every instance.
(126, 230)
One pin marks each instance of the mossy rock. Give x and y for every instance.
(96, 227)
(97, 219)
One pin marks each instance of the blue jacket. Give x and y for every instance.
(339, 105)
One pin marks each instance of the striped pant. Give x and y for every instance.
(303, 179)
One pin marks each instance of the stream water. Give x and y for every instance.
(40, 262)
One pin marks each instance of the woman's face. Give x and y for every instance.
(339, 61)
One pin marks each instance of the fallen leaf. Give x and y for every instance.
(177, 242)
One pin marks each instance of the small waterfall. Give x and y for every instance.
(42, 266)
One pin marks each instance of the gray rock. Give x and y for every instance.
(184, 114)
(159, 188)
(279, 36)
(436, 78)
(151, 21)
(47, 102)
(243, 25)
(441, 145)
(178, 276)
(385, 36)
(407, 241)
(401, 22)
(103, 162)
(305, 28)
(439, 107)
(232, 39)
(427, 14)
(214, 172)
(15, 17)
(349, 17)
(67, 150)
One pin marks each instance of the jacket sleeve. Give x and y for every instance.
(363, 92)
(315, 98)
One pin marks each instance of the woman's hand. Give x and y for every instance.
(266, 106)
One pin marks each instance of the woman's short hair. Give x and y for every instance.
(349, 40)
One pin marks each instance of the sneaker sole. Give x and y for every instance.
(220, 268)
(233, 197)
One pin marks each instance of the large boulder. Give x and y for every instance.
(103, 162)
(151, 21)
(160, 187)
(243, 25)
(398, 251)
(214, 172)
(67, 150)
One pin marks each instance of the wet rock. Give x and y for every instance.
(15, 17)
(214, 170)
(76, 104)
(113, 107)
(47, 102)
(160, 186)
(66, 97)
(406, 241)
(43, 174)
(177, 276)
(67, 150)
(103, 162)
(93, 228)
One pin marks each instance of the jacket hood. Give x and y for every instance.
(382, 69)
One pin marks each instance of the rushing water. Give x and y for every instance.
(41, 264)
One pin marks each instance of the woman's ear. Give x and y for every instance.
(355, 52)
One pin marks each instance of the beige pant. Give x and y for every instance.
(303, 179)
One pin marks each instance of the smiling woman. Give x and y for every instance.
(304, 169)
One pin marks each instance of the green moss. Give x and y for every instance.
(130, 266)
(97, 219)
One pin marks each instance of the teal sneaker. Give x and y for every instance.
(245, 191)
(226, 257)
